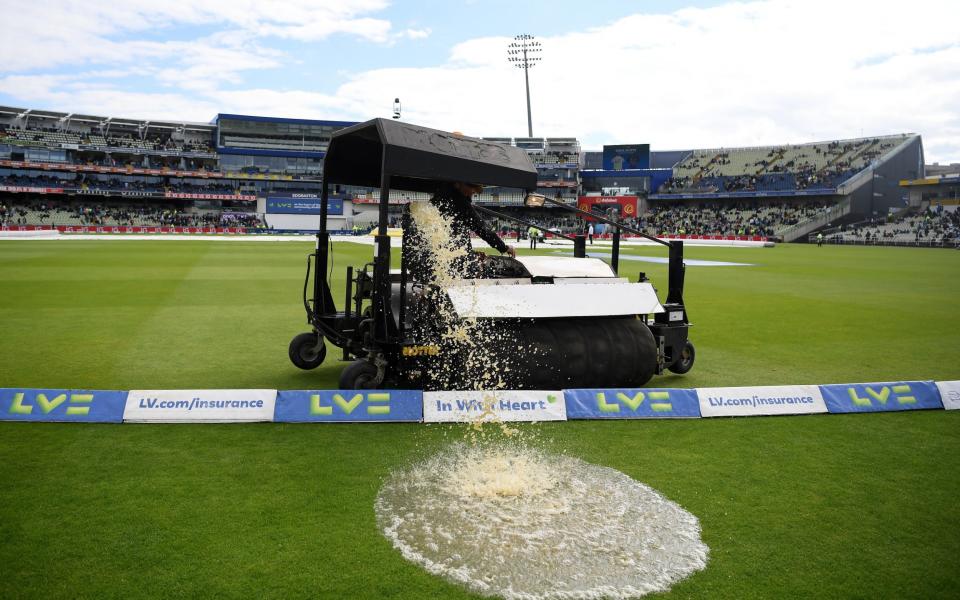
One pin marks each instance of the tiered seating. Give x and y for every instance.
(741, 219)
(71, 214)
(397, 195)
(43, 137)
(554, 158)
(56, 138)
(822, 165)
(925, 228)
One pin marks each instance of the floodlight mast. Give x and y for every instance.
(523, 52)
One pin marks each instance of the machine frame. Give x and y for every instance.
(394, 155)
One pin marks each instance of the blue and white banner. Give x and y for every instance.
(347, 406)
(949, 394)
(494, 405)
(302, 204)
(200, 406)
(760, 400)
(878, 397)
(88, 406)
(648, 403)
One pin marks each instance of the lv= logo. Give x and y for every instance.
(882, 396)
(660, 401)
(378, 403)
(47, 405)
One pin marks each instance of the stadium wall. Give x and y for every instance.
(884, 192)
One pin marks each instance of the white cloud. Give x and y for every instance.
(65, 32)
(77, 94)
(738, 74)
(416, 34)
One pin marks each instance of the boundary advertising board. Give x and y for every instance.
(199, 406)
(499, 405)
(762, 400)
(646, 403)
(301, 204)
(349, 406)
(949, 394)
(881, 397)
(86, 406)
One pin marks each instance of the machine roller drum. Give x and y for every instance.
(584, 353)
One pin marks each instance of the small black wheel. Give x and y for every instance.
(685, 362)
(359, 375)
(307, 350)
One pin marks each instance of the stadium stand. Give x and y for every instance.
(779, 191)
(55, 213)
(742, 218)
(816, 166)
(81, 183)
(937, 228)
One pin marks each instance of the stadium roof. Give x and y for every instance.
(283, 120)
(94, 119)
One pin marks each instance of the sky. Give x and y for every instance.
(676, 74)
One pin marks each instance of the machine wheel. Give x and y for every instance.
(359, 375)
(685, 362)
(307, 350)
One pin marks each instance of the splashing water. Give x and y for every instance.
(507, 519)
(516, 522)
(477, 344)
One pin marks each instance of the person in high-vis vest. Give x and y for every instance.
(534, 234)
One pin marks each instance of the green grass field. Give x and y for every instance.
(836, 506)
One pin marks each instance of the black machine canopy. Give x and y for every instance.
(418, 158)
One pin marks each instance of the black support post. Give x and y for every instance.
(322, 299)
(615, 251)
(675, 273)
(381, 265)
(580, 245)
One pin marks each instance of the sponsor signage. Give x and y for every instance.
(88, 406)
(878, 397)
(346, 406)
(499, 405)
(626, 206)
(22, 164)
(208, 196)
(135, 229)
(271, 177)
(694, 196)
(617, 403)
(200, 406)
(372, 200)
(765, 400)
(302, 204)
(22, 189)
(949, 394)
(554, 183)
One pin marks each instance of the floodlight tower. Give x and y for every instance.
(524, 52)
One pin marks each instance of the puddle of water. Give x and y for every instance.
(517, 522)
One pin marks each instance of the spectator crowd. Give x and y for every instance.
(53, 212)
